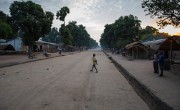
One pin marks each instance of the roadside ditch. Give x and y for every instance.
(154, 102)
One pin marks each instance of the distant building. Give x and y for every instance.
(48, 46)
(171, 49)
(6, 47)
(2, 41)
(145, 48)
(16, 43)
(137, 50)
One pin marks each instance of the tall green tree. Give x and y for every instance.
(148, 31)
(30, 18)
(53, 36)
(121, 32)
(66, 35)
(3, 16)
(81, 38)
(106, 37)
(64, 31)
(47, 22)
(168, 11)
(6, 31)
(73, 28)
(73, 34)
(61, 14)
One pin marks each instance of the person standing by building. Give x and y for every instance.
(161, 63)
(94, 63)
(155, 63)
(60, 50)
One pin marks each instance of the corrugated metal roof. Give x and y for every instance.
(2, 41)
(50, 43)
(154, 42)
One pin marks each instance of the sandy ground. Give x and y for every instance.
(66, 83)
(167, 88)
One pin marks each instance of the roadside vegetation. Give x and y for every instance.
(32, 22)
(127, 29)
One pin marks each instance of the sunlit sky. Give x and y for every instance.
(94, 14)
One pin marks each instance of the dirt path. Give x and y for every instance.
(66, 83)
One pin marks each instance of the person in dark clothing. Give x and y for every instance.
(45, 53)
(161, 63)
(60, 50)
(155, 63)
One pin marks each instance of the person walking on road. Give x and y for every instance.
(161, 63)
(94, 63)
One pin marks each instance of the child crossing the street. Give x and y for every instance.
(94, 63)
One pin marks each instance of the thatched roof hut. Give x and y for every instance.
(171, 43)
(137, 50)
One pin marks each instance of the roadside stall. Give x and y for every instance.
(171, 49)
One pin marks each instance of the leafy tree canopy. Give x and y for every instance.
(168, 11)
(31, 19)
(80, 37)
(73, 27)
(73, 34)
(148, 31)
(61, 14)
(6, 31)
(53, 36)
(66, 35)
(121, 32)
(3, 16)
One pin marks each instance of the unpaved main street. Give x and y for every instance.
(66, 83)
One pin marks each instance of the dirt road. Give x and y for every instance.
(66, 83)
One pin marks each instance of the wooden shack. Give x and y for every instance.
(137, 50)
(171, 49)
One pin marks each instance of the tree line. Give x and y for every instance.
(127, 29)
(32, 22)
